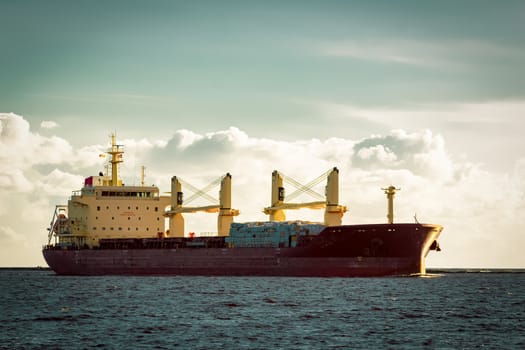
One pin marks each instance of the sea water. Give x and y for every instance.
(448, 310)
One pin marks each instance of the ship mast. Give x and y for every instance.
(390, 193)
(116, 152)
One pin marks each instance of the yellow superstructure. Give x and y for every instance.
(98, 212)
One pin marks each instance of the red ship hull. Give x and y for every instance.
(340, 251)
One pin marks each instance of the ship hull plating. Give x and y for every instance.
(340, 251)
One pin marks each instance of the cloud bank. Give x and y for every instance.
(479, 210)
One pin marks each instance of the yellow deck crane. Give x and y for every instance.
(226, 213)
(333, 211)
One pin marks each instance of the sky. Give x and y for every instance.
(428, 96)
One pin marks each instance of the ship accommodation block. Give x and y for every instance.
(98, 212)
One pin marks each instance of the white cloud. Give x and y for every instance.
(8, 234)
(422, 153)
(48, 124)
(19, 148)
(379, 152)
(58, 183)
(15, 180)
(13, 129)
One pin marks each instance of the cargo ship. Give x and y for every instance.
(108, 228)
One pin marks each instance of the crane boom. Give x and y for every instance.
(333, 212)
